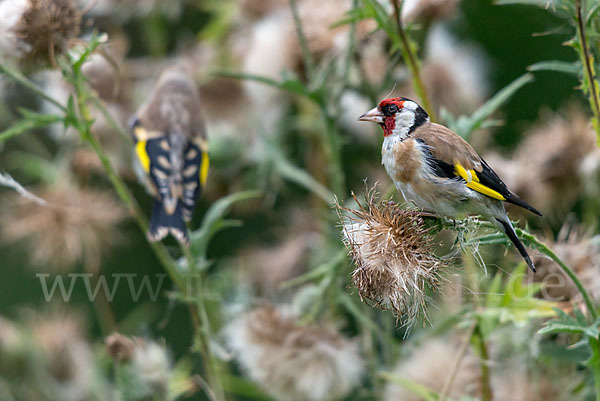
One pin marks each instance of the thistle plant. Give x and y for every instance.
(366, 277)
(392, 249)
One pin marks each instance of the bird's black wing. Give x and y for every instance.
(485, 181)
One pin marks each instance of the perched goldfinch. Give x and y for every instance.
(439, 171)
(171, 150)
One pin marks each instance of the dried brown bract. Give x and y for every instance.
(392, 251)
(292, 361)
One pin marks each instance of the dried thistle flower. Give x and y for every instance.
(517, 384)
(9, 335)
(392, 251)
(294, 362)
(428, 10)
(75, 225)
(119, 347)
(67, 357)
(35, 31)
(146, 366)
(430, 364)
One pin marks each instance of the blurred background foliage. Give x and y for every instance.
(282, 244)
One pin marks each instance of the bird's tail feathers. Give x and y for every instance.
(515, 200)
(163, 224)
(512, 235)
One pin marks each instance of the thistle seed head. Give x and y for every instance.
(392, 250)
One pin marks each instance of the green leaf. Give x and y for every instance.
(181, 382)
(39, 118)
(214, 221)
(592, 12)
(289, 82)
(315, 273)
(515, 303)
(562, 8)
(244, 388)
(418, 389)
(569, 324)
(16, 129)
(302, 178)
(30, 121)
(354, 309)
(571, 68)
(373, 9)
(464, 126)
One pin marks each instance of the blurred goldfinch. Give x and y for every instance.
(171, 151)
(439, 171)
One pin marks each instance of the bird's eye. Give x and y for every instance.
(390, 109)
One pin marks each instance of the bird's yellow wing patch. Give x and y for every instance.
(142, 136)
(140, 151)
(204, 168)
(470, 177)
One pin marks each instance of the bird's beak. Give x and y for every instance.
(373, 115)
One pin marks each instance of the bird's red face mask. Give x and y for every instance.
(385, 114)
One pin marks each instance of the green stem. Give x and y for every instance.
(594, 364)
(20, 78)
(109, 118)
(587, 59)
(307, 59)
(486, 388)
(411, 60)
(566, 269)
(333, 153)
(201, 322)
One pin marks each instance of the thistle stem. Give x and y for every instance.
(307, 59)
(587, 60)
(411, 60)
(21, 79)
(462, 351)
(333, 153)
(594, 364)
(486, 388)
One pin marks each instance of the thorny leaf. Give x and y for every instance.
(571, 324)
(571, 68)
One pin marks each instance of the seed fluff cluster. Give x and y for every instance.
(34, 32)
(292, 361)
(392, 251)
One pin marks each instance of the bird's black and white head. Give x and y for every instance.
(397, 116)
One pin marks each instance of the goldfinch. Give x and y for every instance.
(440, 172)
(171, 152)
